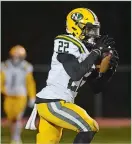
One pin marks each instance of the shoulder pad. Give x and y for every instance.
(28, 66)
(4, 65)
(67, 44)
(72, 40)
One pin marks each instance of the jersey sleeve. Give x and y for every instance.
(75, 69)
(2, 78)
(30, 81)
(67, 45)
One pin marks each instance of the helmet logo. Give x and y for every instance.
(77, 16)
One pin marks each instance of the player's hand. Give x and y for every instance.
(31, 103)
(104, 44)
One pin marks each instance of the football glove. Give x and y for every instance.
(114, 60)
(104, 44)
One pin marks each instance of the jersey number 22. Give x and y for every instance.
(63, 46)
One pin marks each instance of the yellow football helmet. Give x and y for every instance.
(17, 51)
(17, 54)
(82, 23)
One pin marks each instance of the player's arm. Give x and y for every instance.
(99, 83)
(3, 78)
(75, 69)
(70, 62)
(31, 86)
(3, 91)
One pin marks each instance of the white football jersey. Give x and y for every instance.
(15, 77)
(59, 83)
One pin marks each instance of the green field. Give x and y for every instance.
(105, 135)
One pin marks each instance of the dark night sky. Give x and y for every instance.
(35, 24)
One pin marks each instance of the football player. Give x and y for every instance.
(17, 82)
(74, 61)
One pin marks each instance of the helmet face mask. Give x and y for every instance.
(91, 30)
(16, 60)
(91, 33)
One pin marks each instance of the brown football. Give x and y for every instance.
(104, 65)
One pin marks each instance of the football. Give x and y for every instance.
(104, 65)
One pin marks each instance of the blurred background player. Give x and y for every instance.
(17, 82)
(74, 61)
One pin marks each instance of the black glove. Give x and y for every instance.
(104, 44)
(114, 60)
